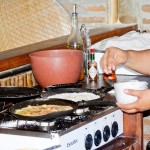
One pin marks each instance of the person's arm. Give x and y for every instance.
(135, 60)
(139, 61)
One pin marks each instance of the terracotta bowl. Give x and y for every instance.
(52, 67)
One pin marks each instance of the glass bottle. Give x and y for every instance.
(110, 76)
(92, 66)
(87, 45)
(75, 40)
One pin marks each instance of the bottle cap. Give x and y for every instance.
(74, 8)
(92, 50)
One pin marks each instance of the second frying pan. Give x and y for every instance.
(54, 91)
(17, 94)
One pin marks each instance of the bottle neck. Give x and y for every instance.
(75, 40)
(92, 55)
(74, 21)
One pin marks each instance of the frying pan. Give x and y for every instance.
(18, 93)
(52, 91)
(41, 102)
(100, 101)
(74, 105)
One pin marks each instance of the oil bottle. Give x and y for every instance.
(75, 40)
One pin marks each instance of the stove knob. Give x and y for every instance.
(106, 133)
(97, 138)
(114, 129)
(88, 142)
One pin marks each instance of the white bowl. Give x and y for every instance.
(122, 97)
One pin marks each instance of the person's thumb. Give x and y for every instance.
(133, 92)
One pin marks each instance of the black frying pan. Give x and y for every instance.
(41, 102)
(52, 91)
(100, 101)
(74, 105)
(18, 93)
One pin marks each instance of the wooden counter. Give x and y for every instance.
(133, 124)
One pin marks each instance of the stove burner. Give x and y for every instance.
(69, 121)
(55, 125)
(35, 126)
(6, 116)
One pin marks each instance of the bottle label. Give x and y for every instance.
(93, 72)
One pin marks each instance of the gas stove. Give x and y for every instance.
(87, 129)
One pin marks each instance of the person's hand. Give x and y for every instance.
(113, 57)
(142, 104)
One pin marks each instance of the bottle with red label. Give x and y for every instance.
(92, 66)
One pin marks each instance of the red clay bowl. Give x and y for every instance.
(52, 67)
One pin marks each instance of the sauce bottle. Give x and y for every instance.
(92, 66)
(75, 40)
(110, 76)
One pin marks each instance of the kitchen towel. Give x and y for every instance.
(132, 40)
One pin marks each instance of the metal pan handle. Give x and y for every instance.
(103, 90)
(98, 102)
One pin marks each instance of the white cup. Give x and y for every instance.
(122, 97)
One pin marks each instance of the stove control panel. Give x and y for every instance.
(94, 134)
